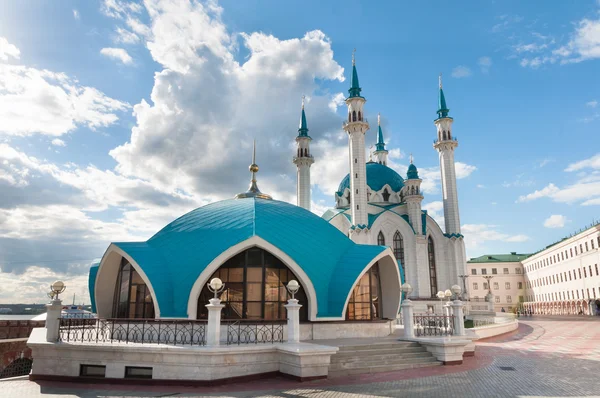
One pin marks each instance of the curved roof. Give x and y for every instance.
(174, 258)
(412, 173)
(377, 176)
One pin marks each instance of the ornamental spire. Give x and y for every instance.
(253, 191)
(443, 109)
(303, 128)
(354, 87)
(380, 146)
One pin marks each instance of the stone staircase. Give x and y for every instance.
(379, 357)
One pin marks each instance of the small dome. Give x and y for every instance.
(412, 173)
(377, 176)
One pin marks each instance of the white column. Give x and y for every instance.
(407, 319)
(447, 308)
(53, 311)
(213, 328)
(293, 325)
(459, 325)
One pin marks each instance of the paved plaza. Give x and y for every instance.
(546, 357)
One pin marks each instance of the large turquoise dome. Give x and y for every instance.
(377, 176)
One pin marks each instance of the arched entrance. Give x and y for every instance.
(365, 300)
(255, 283)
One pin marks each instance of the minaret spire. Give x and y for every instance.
(442, 109)
(380, 152)
(354, 86)
(303, 160)
(253, 191)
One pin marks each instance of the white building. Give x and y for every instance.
(374, 204)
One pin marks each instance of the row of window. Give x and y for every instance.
(505, 271)
(564, 255)
(508, 299)
(497, 286)
(131, 372)
(565, 295)
(562, 277)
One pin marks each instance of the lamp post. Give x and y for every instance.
(457, 311)
(441, 295)
(213, 328)
(488, 278)
(464, 281)
(407, 312)
(53, 311)
(293, 313)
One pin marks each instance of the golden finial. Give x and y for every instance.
(303, 102)
(254, 166)
(253, 191)
(353, 58)
(440, 79)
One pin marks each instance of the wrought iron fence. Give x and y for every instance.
(18, 367)
(249, 331)
(141, 331)
(433, 325)
(13, 329)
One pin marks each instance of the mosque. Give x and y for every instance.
(350, 263)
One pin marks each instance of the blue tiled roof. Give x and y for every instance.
(377, 176)
(174, 258)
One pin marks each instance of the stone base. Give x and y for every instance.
(448, 350)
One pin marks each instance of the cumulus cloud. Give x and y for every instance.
(555, 221)
(477, 234)
(461, 71)
(125, 36)
(58, 142)
(8, 50)
(118, 54)
(436, 211)
(593, 162)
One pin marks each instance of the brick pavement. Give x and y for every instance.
(547, 356)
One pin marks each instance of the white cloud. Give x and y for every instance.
(555, 221)
(120, 8)
(549, 190)
(591, 104)
(76, 14)
(544, 162)
(436, 211)
(8, 50)
(126, 37)
(477, 234)
(485, 63)
(593, 163)
(461, 71)
(463, 170)
(481, 186)
(530, 48)
(40, 101)
(58, 142)
(584, 43)
(118, 54)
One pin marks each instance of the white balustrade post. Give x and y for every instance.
(459, 325)
(293, 321)
(213, 328)
(407, 319)
(53, 311)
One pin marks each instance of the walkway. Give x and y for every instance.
(552, 356)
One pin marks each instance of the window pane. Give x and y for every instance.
(271, 310)
(254, 310)
(254, 274)
(253, 291)
(254, 258)
(236, 275)
(136, 278)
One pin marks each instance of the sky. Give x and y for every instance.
(117, 117)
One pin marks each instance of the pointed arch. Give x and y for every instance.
(432, 269)
(385, 195)
(359, 116)
(380, 239)
(353, 116)
(399, 249)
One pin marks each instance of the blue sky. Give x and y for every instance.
(116, 117)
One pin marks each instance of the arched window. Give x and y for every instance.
(432, 272)
(364, 303)
(349, 117)
(386, 195)
(306, 152)
(353, 116)
(132, 297)
(399, 249)
(444, 135)
(380, 239)
(254, 288)
(348, 198)
(359, 116)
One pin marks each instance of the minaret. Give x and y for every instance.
(303, 160)
(380, 153)
(445, 145)
(413, 197)
(356, 127)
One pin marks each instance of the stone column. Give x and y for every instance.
(459, 325)
(213, 328)
(407, 319)
(293, 318)
(53, 320)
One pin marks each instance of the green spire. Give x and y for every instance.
(412, 174)
(303, 129)
(380, 146)
(355, 87)
(443, 109)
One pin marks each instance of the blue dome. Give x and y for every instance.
(174, 258)
(412, 173)
(377, 176)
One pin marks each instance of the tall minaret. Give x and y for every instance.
(445, 145)
(380, 153)
(356, 127)
(303, 160)
(413, 197)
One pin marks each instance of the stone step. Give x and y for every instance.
(337, 358)
(396, 344)
(380, 369)
(378, 351)
(374, 363)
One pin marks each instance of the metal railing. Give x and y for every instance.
(249, 331)
(433, 325)
(140, 331)
(13, 329)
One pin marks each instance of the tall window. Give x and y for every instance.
(132, 296)
(365, 302)
(432, 272)
(386, 195)
(380, 239)
(254, 288)
(473, 271)
(399, 249)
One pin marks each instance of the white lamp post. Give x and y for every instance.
(441, 295)
(53, 311)
(407, 312)
(293, 312)
(456, 289)
(457, 310)
(213, 328)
